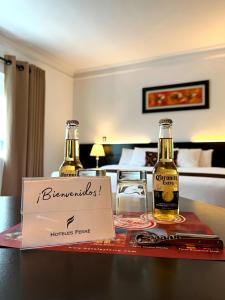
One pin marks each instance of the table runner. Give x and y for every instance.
(124, 242)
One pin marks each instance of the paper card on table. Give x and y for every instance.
(66, 210)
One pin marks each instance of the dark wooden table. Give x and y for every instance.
(37, 274)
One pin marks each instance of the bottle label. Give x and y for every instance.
(166, 194)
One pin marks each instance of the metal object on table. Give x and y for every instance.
(145, 238)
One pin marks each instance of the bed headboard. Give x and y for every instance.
(113, 152)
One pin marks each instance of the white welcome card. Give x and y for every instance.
(61, 210)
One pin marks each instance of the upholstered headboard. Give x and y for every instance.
(113, 152)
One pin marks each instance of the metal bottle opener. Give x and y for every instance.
(145, 238)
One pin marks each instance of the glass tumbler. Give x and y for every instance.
(131, 196)
(91, 172)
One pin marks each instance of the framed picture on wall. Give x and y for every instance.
(182, 96)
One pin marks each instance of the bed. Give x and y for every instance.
(207, 186)
(202, 180)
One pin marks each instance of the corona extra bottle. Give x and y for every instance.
(71, 161)
(165, 176)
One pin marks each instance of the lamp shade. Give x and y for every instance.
(97, 150)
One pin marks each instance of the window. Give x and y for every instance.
(2, 116)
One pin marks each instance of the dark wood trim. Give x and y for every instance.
(113, 152)
(183, 174)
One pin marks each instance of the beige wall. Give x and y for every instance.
(109, 103)
(58, 109)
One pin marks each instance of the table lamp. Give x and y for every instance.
(97, 150)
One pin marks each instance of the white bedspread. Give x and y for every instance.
(206, 189)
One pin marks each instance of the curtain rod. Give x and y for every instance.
(9, 62)
(6, 61)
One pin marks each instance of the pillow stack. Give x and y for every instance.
(135, 157)
(184, 158)
(126, 156)
(191, 158)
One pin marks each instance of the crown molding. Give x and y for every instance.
(217, 51)
(10, 43)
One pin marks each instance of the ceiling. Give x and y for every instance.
(92, 34)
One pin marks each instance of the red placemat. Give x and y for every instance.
(124, 241)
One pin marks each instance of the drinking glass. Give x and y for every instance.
(91, 172)
(131, 196)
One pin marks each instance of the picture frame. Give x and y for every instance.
(182, 96)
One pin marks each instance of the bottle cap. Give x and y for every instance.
(72, 123)
(165, 122)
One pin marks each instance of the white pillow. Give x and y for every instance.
(206, 158)
(188, 157)
(138, 158)
(126, 156)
